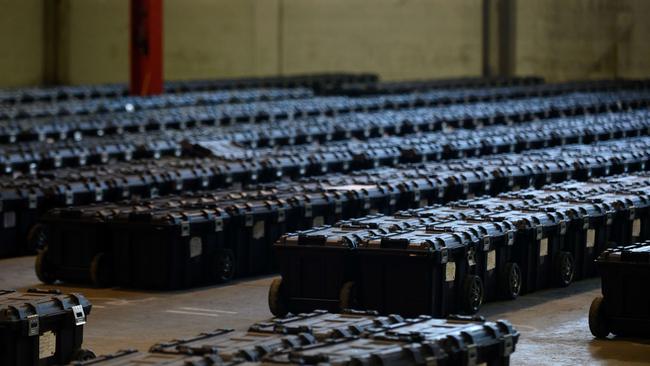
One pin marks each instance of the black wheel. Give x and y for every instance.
(598, 324)
(510, 281)
(43, 268)
(36, 238)
(348, 296)
(278, 298)
(83, 354)
(564, 269)
(225, 265)
(471, 295)
(100, 270)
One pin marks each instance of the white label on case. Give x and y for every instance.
(258, 230)
(46, 345)
(543, 247)
(591, 238)
(9, 219)
(196, 246)
(318, 221)
(491, 260)
(636, 227)
(450, 271)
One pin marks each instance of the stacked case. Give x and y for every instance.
(449, 259)
(230, 233)
(337, 339)
(42, 327)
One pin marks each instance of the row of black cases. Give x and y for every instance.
(337, 339)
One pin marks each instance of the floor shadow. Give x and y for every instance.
(621, 349)
(82, 287)
(539, 297)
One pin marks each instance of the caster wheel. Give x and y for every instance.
(43, 268)
(277, 299)
(36, 238)
(100, 271)
(83, 354)
(348, 296)
(472, 295)
(225, 266)
(564, 269)
(510, 281)
(598, 324)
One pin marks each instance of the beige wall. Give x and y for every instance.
(576, 39)
(220, 38)
(559, 39)
(634, 31)
(396, 38)
(225, 38)
(93, 46)
(21, 40)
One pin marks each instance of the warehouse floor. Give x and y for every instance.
(553, 323)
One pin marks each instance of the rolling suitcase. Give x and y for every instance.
(630, 210)
(255, 224)
(172, 248)
(588, 226)
(317, 269)
(501, 277)
(536, 250)
(40, 327)
(624, 308)
(419, 272)
(465, 340)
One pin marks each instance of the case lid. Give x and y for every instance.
(27, 309)
(637, 253)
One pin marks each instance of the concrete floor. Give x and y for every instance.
(552, 323)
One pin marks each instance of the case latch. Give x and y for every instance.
(33, 325)
(472, 355)
(185, 228)
(79, 315)
(508, 345)
(218, 224)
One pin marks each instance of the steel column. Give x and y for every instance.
(146, 47)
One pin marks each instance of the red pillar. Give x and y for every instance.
(146, 47)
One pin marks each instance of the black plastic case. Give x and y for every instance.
(624, 308)
(40, 327)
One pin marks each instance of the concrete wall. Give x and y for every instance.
(226, 38)
(634, 30)
(577, 39)
(21, 41)
(396, 38)
(559, 39)
(220, 38)
(93, 41)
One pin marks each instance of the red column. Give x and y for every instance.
(146, 47)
